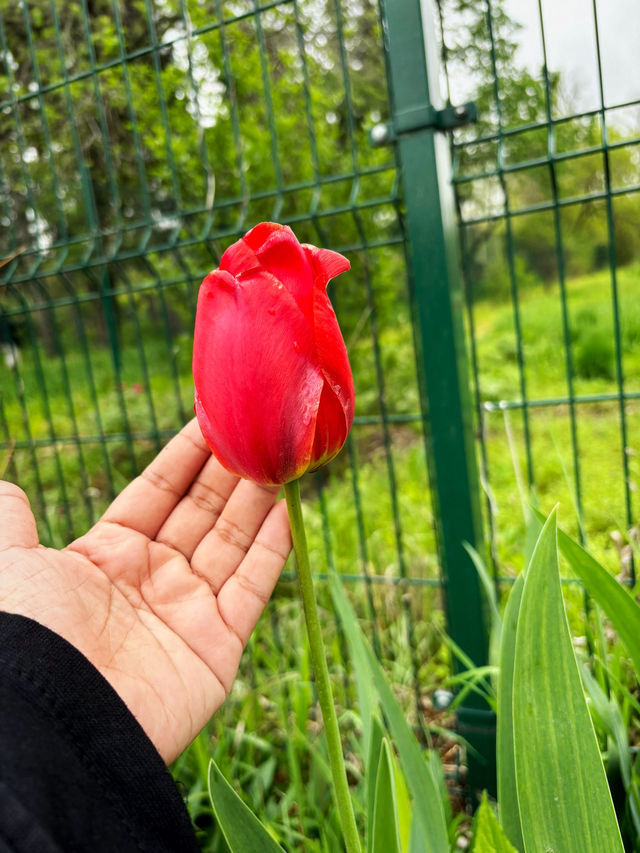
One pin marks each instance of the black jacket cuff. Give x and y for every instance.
(77, 771)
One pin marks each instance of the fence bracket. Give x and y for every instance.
(419, 118)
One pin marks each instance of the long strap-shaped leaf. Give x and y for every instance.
(428, 809)
(507, 794)
(564, 801)
(385, 837)
(620, 607)
(242, 830)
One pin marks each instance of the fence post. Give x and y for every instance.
(430, 222)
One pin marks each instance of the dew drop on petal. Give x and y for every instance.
(337, 388)
(296, 346)
(272, 311)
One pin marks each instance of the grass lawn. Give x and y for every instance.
(577, 454)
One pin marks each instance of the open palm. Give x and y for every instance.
(162, 593)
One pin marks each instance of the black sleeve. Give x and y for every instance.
(77, 772)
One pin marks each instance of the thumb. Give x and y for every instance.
(17, 524)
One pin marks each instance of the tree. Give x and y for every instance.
(524, 157)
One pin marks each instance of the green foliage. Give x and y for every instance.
(542, 668)
(266, 742)
(183, 121)
(243, 832)
(547, 798)
(515, 168)
(593, 347)
(563, 805)
(424, 778)
(488, 835)
(552, 348)
(372, 757)
(395, 788)
(622, 610)
(505, 746)
(385, 834)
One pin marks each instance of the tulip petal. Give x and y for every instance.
(238, 258)
(332, 428)
(262, 231)
(280, 253)
(258, 383)
(332, 354)
(274, 390)
(325, 263)
(330, 347)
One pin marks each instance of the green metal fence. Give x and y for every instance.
(547, 193)
(138, 139)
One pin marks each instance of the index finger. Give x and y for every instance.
(148, 500)
(17, 524)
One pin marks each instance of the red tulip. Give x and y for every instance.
(273, 388)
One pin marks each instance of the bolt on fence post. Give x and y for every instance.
(434, 258)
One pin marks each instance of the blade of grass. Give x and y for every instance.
(607, 716)
(487, 584)
(609, 720)
(491, 595)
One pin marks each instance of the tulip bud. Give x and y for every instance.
(274, 392)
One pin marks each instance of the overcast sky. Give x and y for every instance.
(571, 47)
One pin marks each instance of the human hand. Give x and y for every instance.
(162, 594)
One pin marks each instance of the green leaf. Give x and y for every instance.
(417, 843)
(385, 836)
(404, 811)
(242, 830)
(607, 717)
(535, 521)
(367, 698)
(402, 806)
(624, 614)
(507, 795)
(563, 797)
(423, 785)
(621, 609)
(488, 835)
(488, 585)
(434, 762)
(495, 632)
(374, 753)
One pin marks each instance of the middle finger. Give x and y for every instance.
(198, 511)
(222, 550)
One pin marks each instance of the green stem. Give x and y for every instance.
(321, 670)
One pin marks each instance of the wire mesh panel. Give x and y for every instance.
(547, 190)
(138, 140)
